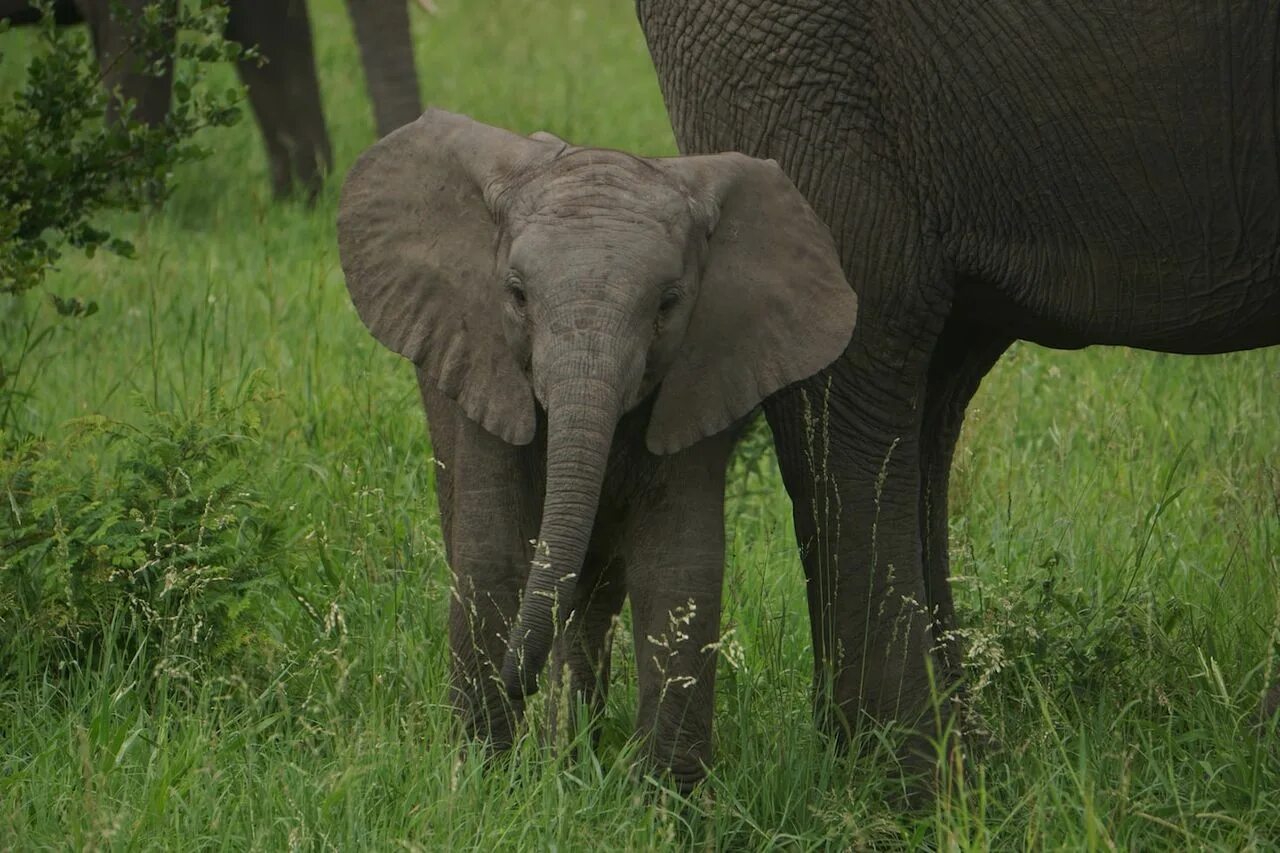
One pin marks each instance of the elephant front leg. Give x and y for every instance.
(675, 572)
(386, 51)
(489, 504)
(485, 599)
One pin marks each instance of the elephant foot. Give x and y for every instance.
(683, 777)
(572, 724)
(678, 760)
(918, 757)
(299, 178)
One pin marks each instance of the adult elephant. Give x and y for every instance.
(284, 92)
(1068, 174)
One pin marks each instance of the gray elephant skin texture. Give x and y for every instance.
(1069, 174)
(576, 317)
(284, 91)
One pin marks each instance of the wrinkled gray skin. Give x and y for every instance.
(1069, 174)
(590, 329)
(284, 92)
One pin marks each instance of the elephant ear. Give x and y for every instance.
(773, 306)
(420, 246)
(548, 136)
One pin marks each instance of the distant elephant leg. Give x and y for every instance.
(113, 36)
(489, 507)
(964, 354)
(386, 51)
(581, 655)
(284, 92)
(19, 12)
(675, 572)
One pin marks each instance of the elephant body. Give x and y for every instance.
(284, 91)
(1089, 173)
(573, 315)
(658, 537)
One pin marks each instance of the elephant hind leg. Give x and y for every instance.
(114, 33)
(964, 354)
(580, 658)
(849, 449)
(850, 458)
(284, 92)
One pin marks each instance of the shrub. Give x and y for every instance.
(64, 164)
(160, 530)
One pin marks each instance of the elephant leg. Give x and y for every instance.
(114, 35)
(848, 443)
(581, 655)
(386, 51)
(284, 92)
(675, 570)
(964, 354)
(489, 506)
(19, 12)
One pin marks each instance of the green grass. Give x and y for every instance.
(1116, 541)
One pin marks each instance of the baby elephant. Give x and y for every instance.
(590, 330)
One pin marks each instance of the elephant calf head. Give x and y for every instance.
(518, 272)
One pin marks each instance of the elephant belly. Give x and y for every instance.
(1063, 309)
(1113, 175)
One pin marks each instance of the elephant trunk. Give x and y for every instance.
(386, 51)
(582, 414)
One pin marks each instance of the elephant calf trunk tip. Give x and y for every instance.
(518, 680)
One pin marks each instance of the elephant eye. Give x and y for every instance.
(669, 300)
(516, 291)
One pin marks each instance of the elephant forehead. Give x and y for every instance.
(603, 188)
(601, 250)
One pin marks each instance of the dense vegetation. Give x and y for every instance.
(223, 598)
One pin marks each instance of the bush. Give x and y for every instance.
(152, 537)
(159, 530)
(65, 167)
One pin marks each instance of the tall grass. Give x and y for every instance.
(1116, 542)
